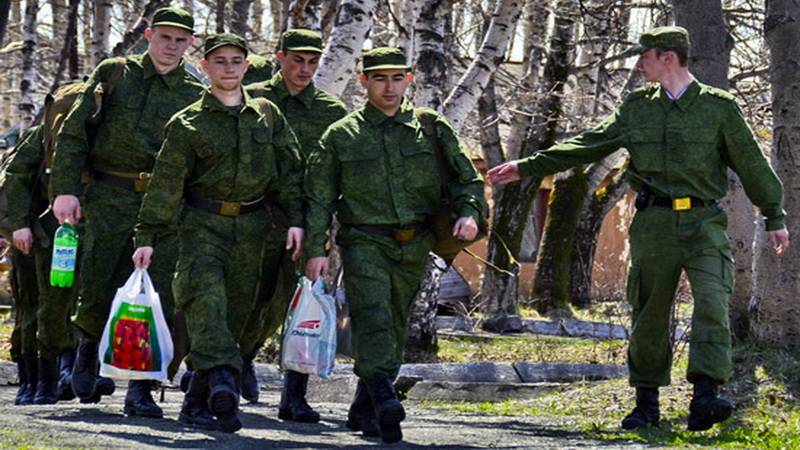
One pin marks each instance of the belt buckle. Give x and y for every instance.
(681, 204)
(141, 181)
(404, 235)
(230, 209)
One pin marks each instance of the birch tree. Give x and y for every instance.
(101, 30)
(338, 63)
(5, 9)
(306, 14)
(27, 103)
(70, 33)
(775, 305)
(464, 97)
(430, 67)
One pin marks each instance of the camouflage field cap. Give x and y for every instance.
(215, 41)
(173, 17)
(301, 40)
(383, 58)
(662, 37)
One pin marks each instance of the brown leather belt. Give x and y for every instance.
(132, 181)
(401, 234)
(223, 208)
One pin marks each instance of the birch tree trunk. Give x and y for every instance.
(86, 33)
(430, 68)
(27, 103)
(69, 43)
(343, 49)
(406, 36)
(330, 8)
(58, 16)
(775, 305)
(709, 62)
(421, 341)
(101, 30)
(240, 16)
(464, 97)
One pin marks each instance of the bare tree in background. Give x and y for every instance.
(430, 66)
(133, 35)
(5, 9)
(306, 14)
(775, 305)
(101, 30)
(70, 34)
(27, 104)
(338, 64)
(240, 17)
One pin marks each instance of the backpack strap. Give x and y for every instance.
(107, 86)
(427, 119)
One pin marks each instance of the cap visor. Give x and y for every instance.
(635, 50)
(387, 67)
(304, 49)
(172, 24)
(225, 44)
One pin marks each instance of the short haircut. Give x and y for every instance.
(683, 54)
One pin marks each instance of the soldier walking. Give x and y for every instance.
(377, 171)
(120, 156)
(222, 156)
(682, 137)
(309, 110)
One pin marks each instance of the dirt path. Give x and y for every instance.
(104, 426)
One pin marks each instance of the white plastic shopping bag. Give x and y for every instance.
(136, 343)
(309, 332)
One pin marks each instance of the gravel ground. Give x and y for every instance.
(104, 426)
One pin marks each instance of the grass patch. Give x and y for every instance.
(765, 390)
(22, 439)
(530, 349)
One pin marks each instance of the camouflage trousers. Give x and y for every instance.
(219, 266)
(55, 333)
(278, 282)
(664, 242)
(25, 293)
(106, 263)
(381, 280)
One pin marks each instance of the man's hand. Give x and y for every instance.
(317, 267)
(294, 240)
(465, 229)
(504, 173)
(779, 240)
(23, 240)
(142, 257)
(67, 207)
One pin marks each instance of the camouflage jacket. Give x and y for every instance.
(26, 201)
(678, 148)
(216, 153)
(378, 170)
(132, 127)
(309, 113)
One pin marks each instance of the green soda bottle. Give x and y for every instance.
(65, 254)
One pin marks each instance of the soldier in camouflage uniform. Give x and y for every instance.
(260, 70)
(377, 170)
(153, 86)
(222, 155)
(28, 200)
(682, 137)
(309, 111)
(24, 290)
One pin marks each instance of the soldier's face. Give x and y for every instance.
(225, 67)
(651, 65)
(298, 68)
(167, 45)
(385, 88)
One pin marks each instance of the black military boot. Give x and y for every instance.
(65, 363)
(388, 409)
(84, 373)
(22, 374)
(139, 401)
(223, 398)
(194, 411)
(706, 408)
(293, 404)
(103, 386)
(31, 369)
(361, 416)
(646, 412)
(249, 382)
(47, 386)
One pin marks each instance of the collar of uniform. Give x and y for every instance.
(686, 99)
(306, 96)
(404, 115)
(171, 78)
(211, 102)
